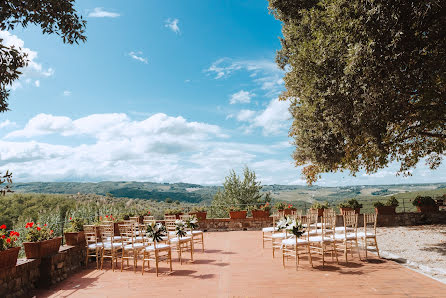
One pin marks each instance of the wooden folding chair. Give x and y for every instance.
(291, 245)
(157, 252)
(368, 236)
(92, 244)
(110, 248)
(349, 237)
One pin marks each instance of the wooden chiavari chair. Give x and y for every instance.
(109, 249)
(157, 252)
(182, 244)
(197, 235)
(291, 245)
(92, 244)
(349, 237)
(130, 247)
(268, 231)
(325, 243)
(277, 237)
(369, 233)
(134, 219)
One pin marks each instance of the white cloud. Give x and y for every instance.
(172, 24)
(139, 57)
(241, 97)
(34, 70)
(99, 12)
(7, 123)
(245, 115)
(264, 73)
(66, 93)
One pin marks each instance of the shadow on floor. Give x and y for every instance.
(439, 248)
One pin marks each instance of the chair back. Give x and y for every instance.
(127, 232)
(107, 233)
(170, 217)
(350, 222)
(90, 234)
(312, 220)
(148, 221)
(296, 214)
(170, 225)
(370, 220)
(329, 212)
(134, 218)
(149, 217)
(184, 216)
(328, 226)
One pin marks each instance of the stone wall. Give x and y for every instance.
(19, 281)
(226, 224)
(248, 224)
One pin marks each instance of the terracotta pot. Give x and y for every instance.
(320, 212)
(37, 250)
(116, 228)
(201, 215)
(357, 210)
(427, 208)
(287, 211)
(8, 258)
(385, 210)
(237, 214)
(75, 238)
(260, 214)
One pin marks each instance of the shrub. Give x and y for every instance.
(392, 201)
(76, 225)
(280, 205)
(35, 232)
(352, 203)
(378, 204)
(199, 209)
(173, 211)
(423, 201)
(320, 205)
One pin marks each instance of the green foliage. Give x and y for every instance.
(280, 205)
(36, 232)
(173, 211)
(378, 204)
(392, 201)
(76, 225)
(199, 209)
(423, 201)
(320, 205)
(7, 239)
(365, 81)
(352, 203)
(53, 17)
(156, 231)
(235, 191)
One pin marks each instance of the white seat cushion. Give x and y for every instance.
(138, 245)
(182, 239)
(369, 235)
(109, 245)
(292, 241)
(278, 235)
(269, 229)
(195, 232)
(342, 229)
(343, 237)
(115, 238)
(158, 246)
(94, 245)
(319, 239)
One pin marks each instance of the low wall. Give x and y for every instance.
(21, 280)
(226, 224)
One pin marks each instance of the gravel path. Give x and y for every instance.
(422, 248)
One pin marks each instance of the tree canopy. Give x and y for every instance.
(365, 81)
(53, 16)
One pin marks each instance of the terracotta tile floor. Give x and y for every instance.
(234, 264)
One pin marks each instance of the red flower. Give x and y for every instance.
(29, 225)
(70, 218)
(8, 240)
(44, 225)
(51, 232)
(3, 236)
(106, 216)
(2, 227)
(38, 228)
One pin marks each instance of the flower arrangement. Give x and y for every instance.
(180, 228)
(280, 205)
(266, 207)
(7, 240)
(320, 205)
(76, 225)
(108, 217)
(283, 223)
(423, 201)
(156, 231)
(296, 228)
(192, 222)
(35, 232)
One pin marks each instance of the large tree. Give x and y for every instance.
(366, 82)
(53, 16)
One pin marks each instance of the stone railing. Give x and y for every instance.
(27, 275)
(226, 224)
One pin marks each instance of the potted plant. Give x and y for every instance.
(350, 205)
(262, 212)
(156, 231)
(8, 248)
(176, 212)
(387, 208)
(320, 207)
(289, 209)
(116, 222)
(74, 234)
(235, 212)
(40, 241)
(199, 211)
(425, 204)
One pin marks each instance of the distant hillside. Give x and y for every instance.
(194, 193)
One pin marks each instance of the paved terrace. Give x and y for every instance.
(234, 264)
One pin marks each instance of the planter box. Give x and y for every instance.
(116, 228)
(260, 214)
(237, 214)
(287, 211)
(428, 208)
(385, 210)
(200, 215)
(320, 212)
(177, 216)
(8, 258)
(357, 210)
(37, 250)
(75, 238)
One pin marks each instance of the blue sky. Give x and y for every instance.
(163, 91)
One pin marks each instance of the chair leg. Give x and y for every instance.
(143, 262)
(156, 262)
(323, 255)
(309, 256)
(102, 258)
(170, 259)
(202, 242)
(335, 252)
(365, 247)
(357, 248)
(122, 258)
(376, 245)
(345, 252)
